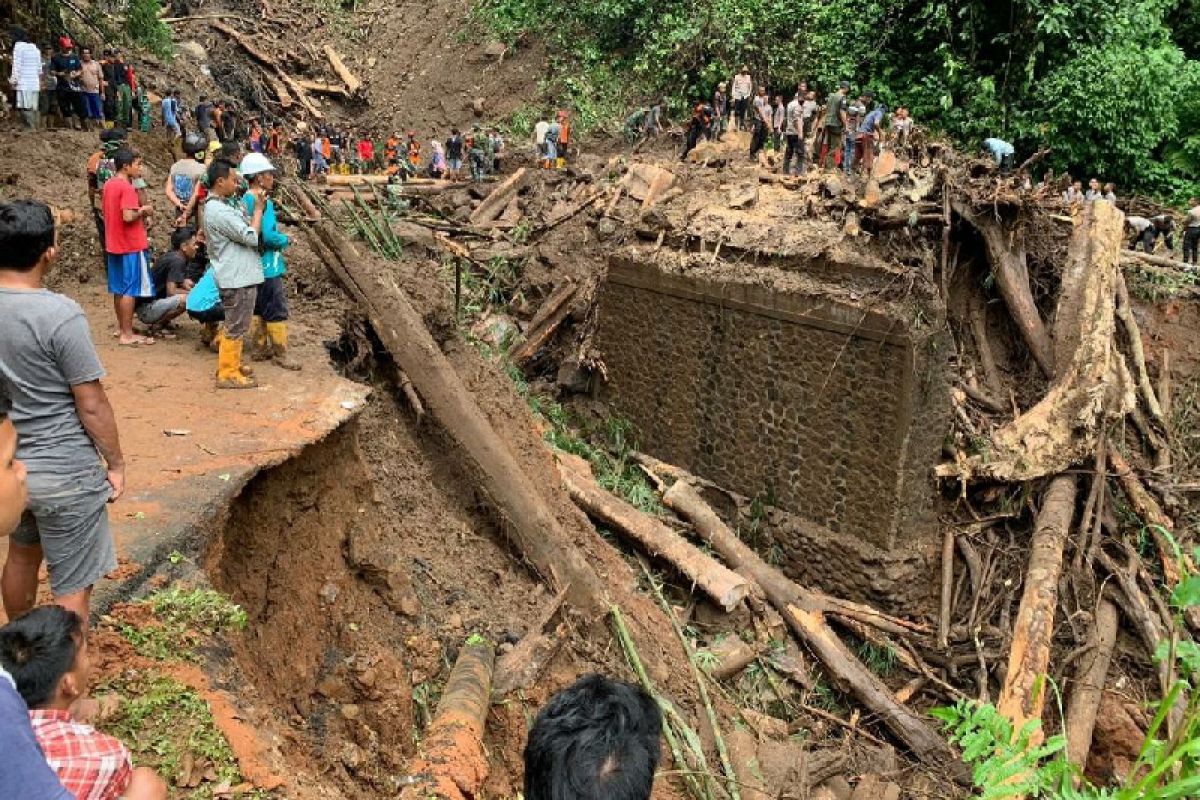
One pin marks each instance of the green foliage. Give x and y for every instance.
(1104, 83)
(1167, 767)
(146, 29)
(184, 617)
(166, 724)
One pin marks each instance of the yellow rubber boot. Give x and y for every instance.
(229, 361)
(278, 334)
(260, 346)
(215, 346)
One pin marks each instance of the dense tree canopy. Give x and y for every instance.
(1111, 85)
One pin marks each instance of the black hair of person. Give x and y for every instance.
(5, 403)
(230, 152)
(38, 648)
(124, 157)
(598, 739)
(180, 235)
(218, 170)
(26, 233)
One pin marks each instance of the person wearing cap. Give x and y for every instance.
(835, 121)
(232, 240)
(67, 69)
(270, 323)
(26, 76)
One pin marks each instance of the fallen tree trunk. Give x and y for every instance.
(353, 84)
(1158, 261)
(1006, 254)
(532, 526)
(1084, 700)
(545, 322)
(1090, 387)
(454, 763)
(321, 87)
(724, 586)
(1023, 695)
(363, 180)
(803, 614)
(272, 65)
(1138, 352)
(494, 204)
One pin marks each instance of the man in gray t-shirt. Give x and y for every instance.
(64, 422)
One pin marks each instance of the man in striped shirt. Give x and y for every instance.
(26, 76)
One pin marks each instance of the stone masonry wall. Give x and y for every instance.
(815, 404)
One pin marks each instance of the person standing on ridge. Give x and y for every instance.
(741, 90)
(26, 76)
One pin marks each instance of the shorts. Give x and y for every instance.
(174, 128)
(129, 274)
(27, 100)
(239, 309)
(271, 301)
(454, 163)
(93, 105)
(68, 516)
(209, 315)
(153, 312)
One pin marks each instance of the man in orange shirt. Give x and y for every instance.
(564, 137)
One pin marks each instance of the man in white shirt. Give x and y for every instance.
(26, 76)
(741, 90)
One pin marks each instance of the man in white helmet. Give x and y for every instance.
(270, 308)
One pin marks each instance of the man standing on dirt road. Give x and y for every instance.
(126, 245)
(65, 425)
(233, 255)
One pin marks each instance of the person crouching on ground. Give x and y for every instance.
(270, 305)
(598, 739)
(232, 242)
(158, 311)
(46, 652)
(126, 243)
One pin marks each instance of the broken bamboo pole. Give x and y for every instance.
(1023, 695)
(454, 763)
(724, 586)
(804, 616)
(1084, 700)
(531, 524)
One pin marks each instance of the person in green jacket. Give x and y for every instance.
(269, 331)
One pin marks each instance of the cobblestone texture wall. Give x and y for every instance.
(812, 403)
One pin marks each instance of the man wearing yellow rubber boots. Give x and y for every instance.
(233, 256)
(270, 309)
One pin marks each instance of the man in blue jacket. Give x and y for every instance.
(270, 310)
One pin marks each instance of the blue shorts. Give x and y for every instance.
(454, 163)
(129, 274)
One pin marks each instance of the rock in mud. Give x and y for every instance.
(743, 196)
(193, 50)
(495, 49)
(386, 572)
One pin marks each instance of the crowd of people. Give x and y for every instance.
(72, 84)
(350, 151)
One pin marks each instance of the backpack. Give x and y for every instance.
(106, 168)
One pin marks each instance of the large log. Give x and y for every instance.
(1084, 700)
(271, 64)
(803, 614)
(494, 204)
(724, 586)
(1089, 388)
(1006, 254)
(454, 762)
(1023, 695)
(531, 524)
(1158, 261)
(549, 316)
(353, 84)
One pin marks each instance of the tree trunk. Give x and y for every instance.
(1025, 685)
(531, 524)
(353, 84)
(724, 586)
(454, 763)
(494, 204)
(1006, 254)
(804, 616)
(545, 322)
(1084, 701)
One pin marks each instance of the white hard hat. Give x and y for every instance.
(254, 164)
